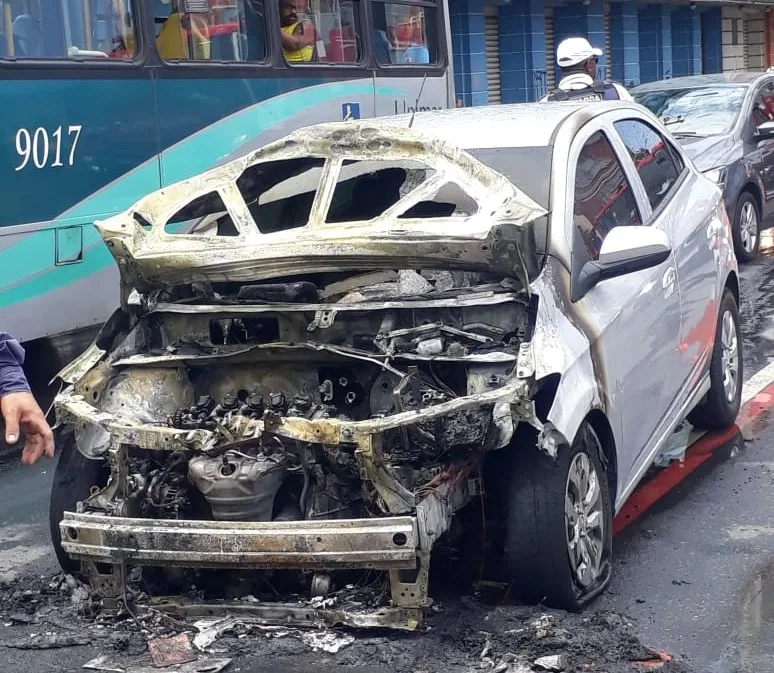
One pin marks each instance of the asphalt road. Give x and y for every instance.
(696, 572)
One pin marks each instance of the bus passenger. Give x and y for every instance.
(297, 36)
(173, 39)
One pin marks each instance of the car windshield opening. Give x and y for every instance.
(700, 111)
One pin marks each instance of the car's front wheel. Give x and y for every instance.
(721, 405)
(74, 476)
(559, 530)
(746, 227)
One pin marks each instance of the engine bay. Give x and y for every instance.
(369, 397)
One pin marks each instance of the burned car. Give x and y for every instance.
(326, 350)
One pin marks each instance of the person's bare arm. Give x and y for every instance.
(20, 411)
(302, 36)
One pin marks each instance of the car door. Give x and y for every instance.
(680, 207)
(759, 151)
(634, 319)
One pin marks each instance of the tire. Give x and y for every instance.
(74, 476)
(720, 407)
(745, 227)
(538, 533)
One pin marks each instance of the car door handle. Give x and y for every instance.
(668, 281)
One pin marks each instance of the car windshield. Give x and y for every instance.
(701, 111)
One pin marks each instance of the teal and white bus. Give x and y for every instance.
(107, 100)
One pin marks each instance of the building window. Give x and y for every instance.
(201, 30)
(68, 29)
(737, 31)
(404, 34)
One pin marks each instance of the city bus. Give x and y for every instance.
(107, 100)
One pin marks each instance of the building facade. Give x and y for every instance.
(504, 50)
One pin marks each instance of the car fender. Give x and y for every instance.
(560, 346)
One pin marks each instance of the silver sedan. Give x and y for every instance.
(329, 347)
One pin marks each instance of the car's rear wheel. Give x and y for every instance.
(721, 405)
(559, 528)
(74, 476)
(746, 227)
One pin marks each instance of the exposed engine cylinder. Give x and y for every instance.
(239, 487)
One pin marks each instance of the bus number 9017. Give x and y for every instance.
(38, 147)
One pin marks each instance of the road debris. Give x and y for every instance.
(167, 651)
(555, 663)
(467, 635)
(46, 641)
(327, 641)
(104, 664)
(210, 630)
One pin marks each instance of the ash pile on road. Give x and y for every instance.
(464, 635)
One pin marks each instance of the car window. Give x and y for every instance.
(656, 163)
(763, 105)
(603, 196)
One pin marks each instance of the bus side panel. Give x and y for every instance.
(244, 114)
(401, 95)
(73, 150)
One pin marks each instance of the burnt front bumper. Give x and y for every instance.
(382, 543)
(386, 543)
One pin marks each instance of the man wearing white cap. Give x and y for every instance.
(577, 60)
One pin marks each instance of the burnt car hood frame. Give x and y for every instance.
(151, 259)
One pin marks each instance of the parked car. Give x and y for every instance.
(725, 123)
(330, 347)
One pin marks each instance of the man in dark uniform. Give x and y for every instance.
(19, 409)
(577, 60)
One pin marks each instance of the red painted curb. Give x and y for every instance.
(751, 420)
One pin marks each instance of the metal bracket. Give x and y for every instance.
(323, 319)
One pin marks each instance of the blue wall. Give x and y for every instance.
(648, 42)
(711, 40)
(625, 43)
(467, 26)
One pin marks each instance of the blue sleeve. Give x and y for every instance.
(12, 378)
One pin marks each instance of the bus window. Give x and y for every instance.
(210, 30)
(320, 31)
(68, 29)
(404, 34)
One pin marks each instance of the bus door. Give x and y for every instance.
(78, 141)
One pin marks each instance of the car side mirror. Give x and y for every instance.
(625, 250)
(765, 130)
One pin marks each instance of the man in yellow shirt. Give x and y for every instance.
(297, 36)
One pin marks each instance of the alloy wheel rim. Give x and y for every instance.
(748, 227)
(584, 520)
(729, 342)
